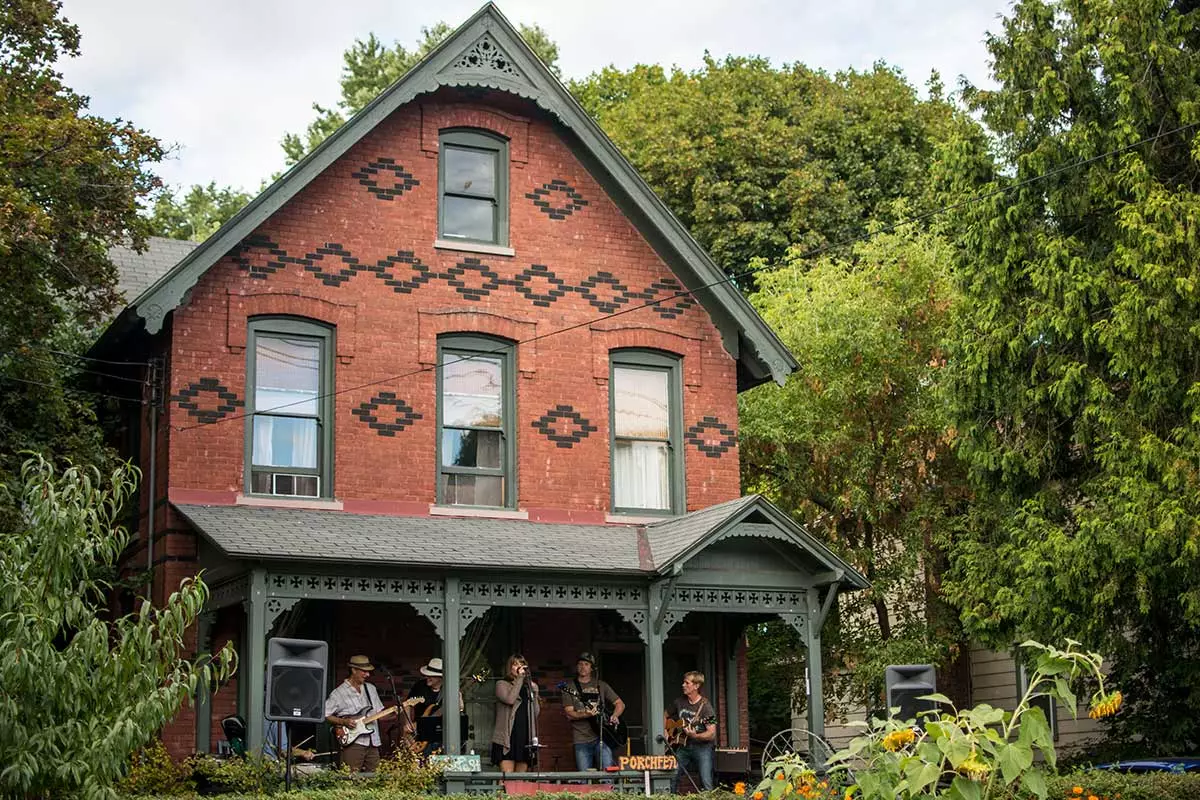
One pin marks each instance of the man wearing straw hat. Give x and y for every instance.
(354, 698)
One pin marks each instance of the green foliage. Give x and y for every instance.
(81, 693)
(153, 772)
(1076, 376)
(1105, 785)
(774, 677)
(197, 214)
(981, 753)
(371, 66)
(856, 444)
(754, 159)
(250, 775)
(70, 184)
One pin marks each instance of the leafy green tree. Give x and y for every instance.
(1076, 372)
(371, 66)
(70, 185)
(197, 214)
(856, 444)
(80, 692)
(754, 159)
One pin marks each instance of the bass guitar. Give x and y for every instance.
(614, 734)
(676, 729)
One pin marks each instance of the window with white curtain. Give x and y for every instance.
(647, 467)
(288, 436)
(476, 459)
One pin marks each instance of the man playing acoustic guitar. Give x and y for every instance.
(589, 698)
(691, 721)
(354, 699)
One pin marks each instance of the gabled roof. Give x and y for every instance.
(676, 540)
(302, 535)
(137, 272)
(486, 51)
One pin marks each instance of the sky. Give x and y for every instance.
(221, 81)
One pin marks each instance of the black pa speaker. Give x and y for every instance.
(905, 683)
(296, 680)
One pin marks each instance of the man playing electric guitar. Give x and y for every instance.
(693, 717)
(352, 700)
(589, 698)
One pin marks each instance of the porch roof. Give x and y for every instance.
(291, 534)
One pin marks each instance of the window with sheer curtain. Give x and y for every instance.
(475, 413)
(287, 439)
(646, 468)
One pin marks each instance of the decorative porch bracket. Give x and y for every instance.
(277, 606)
(636, 619)
(435, 613)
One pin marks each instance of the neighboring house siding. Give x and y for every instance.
(385, 330)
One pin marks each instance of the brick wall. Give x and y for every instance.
(385, 331)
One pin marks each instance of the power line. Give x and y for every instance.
(812, 253)
(86, 358)
(141, 381)
(5, 377)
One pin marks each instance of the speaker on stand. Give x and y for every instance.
(295, 686)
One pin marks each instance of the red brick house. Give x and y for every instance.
(459, 384)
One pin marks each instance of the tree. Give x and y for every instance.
(856, 444)
(82, 693)
(70, 184)
(1076, 368)
(371, 66)
(754, 159)
(197, 214)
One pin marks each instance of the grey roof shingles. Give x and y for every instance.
(670, 538)
(306, 535)
(137, 272)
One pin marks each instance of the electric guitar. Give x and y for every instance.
(347, 734)
(614, 734)
(675, 729)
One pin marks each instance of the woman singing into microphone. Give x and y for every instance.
(514, 739)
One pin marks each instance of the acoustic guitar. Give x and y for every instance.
(676, 729)
(614, 734)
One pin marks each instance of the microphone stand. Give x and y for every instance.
(532, 747)
(671, 749)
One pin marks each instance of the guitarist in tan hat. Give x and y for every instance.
(354, 706)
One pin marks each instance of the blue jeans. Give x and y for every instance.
(692, 759)
(585, 755)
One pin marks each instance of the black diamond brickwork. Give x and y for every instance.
(370, 173)
(711, 437)
(405, 416)
(575, 430)
(552, 286)
(542, 198)
(404, 272)
(227, 401)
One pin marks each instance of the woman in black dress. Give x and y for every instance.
(515, 734)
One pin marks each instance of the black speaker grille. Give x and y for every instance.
(297, 689)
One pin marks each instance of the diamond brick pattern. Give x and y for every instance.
(542, 198)
(471, 278)
(564, 426)
(553, 287)
(711, 437)
(227, 401)
(404, 414)
(401, 181)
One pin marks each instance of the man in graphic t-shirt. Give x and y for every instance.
(696, 733)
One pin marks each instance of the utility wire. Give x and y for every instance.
(5, 377)
(87, 358)
(141, 381)
(812, 253)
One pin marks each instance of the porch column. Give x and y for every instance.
(812, 643)
(733, 727)
(254, 666)
(204, 625)
(451, 633)
(655, 702)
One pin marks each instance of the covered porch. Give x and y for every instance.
(651, 600)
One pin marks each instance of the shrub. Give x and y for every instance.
(152, 772)
(1105, 785)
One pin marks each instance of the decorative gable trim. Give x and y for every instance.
(506, 64)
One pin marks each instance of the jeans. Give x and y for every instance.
(585, 755)
(693, 758)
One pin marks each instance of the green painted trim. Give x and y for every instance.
(498, 146)
(311, 329)
(505, 350)
(766, 355)
(657, 361)
(656, 702)
(452, 632)
(254, 666)
(816, 685)
(733, 729)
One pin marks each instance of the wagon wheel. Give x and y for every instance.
(812, 748)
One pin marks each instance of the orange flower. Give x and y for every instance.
(1077, 790)
(739, 788)
(1093, 797)
(757, 796)
(779, 775)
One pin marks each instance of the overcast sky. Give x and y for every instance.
(223, 80)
